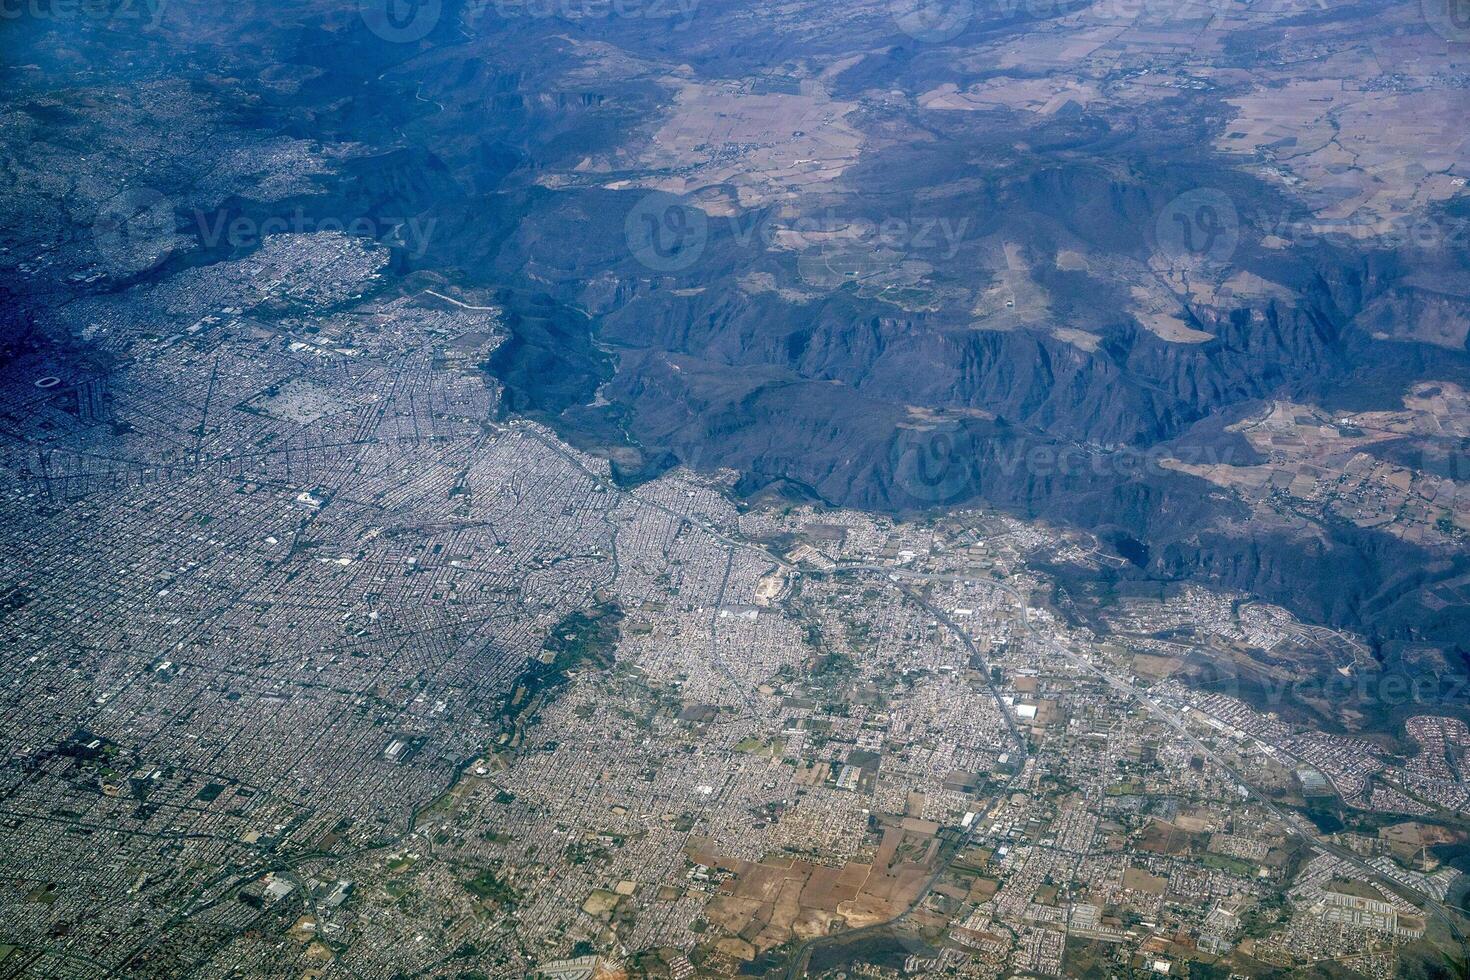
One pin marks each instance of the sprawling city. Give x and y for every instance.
(395, 588)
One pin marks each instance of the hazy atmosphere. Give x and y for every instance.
(734, 488)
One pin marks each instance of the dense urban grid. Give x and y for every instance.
(708, 488)
(329, 674)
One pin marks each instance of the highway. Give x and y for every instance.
(802, 955)
(1298, 824)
